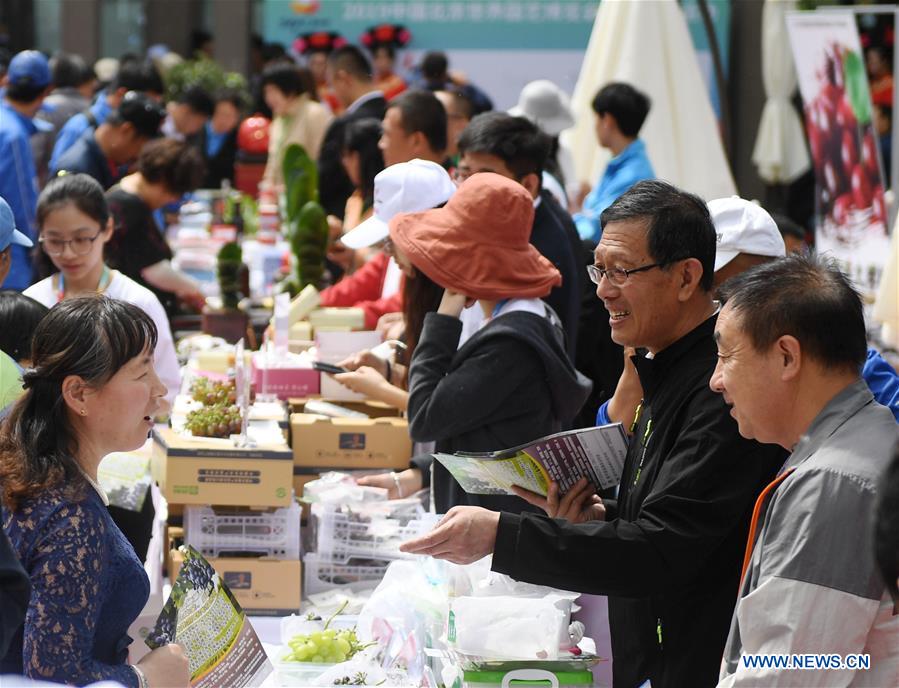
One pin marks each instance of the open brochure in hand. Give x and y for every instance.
(203, 617)
(597, 453)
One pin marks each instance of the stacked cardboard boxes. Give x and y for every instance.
(251, 536)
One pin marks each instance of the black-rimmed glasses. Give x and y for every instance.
(617, 276)
(80, 245)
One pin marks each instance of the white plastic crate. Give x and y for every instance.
(321, 575)
(225, 531)
(344, 534)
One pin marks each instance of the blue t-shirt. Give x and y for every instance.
(623, 171)
(86, 157)
(18, 187)
(87, 587)
(76, 126)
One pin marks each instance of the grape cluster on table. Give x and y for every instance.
(219, 416)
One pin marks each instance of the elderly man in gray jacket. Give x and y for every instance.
(812, 610)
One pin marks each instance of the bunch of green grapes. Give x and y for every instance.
(212, 393)
(327, 646)
(214, 421)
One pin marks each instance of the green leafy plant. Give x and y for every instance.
(205, 73)
(307, 223)
(230, 263)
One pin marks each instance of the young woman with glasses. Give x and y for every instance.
(74, 226)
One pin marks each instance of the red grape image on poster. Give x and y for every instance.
(851, 212)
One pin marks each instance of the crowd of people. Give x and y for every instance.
(758, 508)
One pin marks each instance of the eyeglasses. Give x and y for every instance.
(80, 245)
(617, 276)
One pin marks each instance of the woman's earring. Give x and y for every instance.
(83, 412)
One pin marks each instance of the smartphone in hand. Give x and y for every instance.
(329, 368)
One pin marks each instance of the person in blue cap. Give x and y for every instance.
(10, 382)
(28, 82)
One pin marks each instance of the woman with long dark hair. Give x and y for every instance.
(92, 391)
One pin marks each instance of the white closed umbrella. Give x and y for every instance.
(780, 152)
(648, 45)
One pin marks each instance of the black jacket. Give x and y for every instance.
(669, 554)
(334, 187)
(510, 383)
(548, 237)
(15, 591)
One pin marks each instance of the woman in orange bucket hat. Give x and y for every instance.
(502, 377)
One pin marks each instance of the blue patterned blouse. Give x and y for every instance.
(87, 588)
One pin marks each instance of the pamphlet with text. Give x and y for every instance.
(597, 453)
(203, 617)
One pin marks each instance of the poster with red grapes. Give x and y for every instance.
(851, 213)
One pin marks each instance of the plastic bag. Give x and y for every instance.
(508, 627)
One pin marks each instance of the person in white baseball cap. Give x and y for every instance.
(405, 187)
(747, 236)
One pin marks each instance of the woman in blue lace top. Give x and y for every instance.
(92, 391)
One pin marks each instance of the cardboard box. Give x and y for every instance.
(206, 472)
(285, 382)
(337, 319)
(370, 407)
(326, 443)
(262, 586)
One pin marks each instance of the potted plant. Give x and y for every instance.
(228, 322)
(307, 224)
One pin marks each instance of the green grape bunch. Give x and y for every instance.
(327, 646)
(214, 421)
(213, 393)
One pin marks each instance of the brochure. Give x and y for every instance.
(597, 453)
(203, 617)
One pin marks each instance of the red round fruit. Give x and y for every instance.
(849, 152)
(841, 208)
(869, 153)
(252, 136)
(831, 180)
(861, 187)
(845, 115)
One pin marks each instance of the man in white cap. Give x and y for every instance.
(747, 236)
(406, 187)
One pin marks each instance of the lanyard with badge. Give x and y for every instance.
(105, 279)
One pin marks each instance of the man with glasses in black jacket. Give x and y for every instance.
(668, 551)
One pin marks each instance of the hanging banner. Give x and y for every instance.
(501, 45)
(849, 203)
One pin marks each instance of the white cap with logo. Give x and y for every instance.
(743, 227)
(407, 187)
